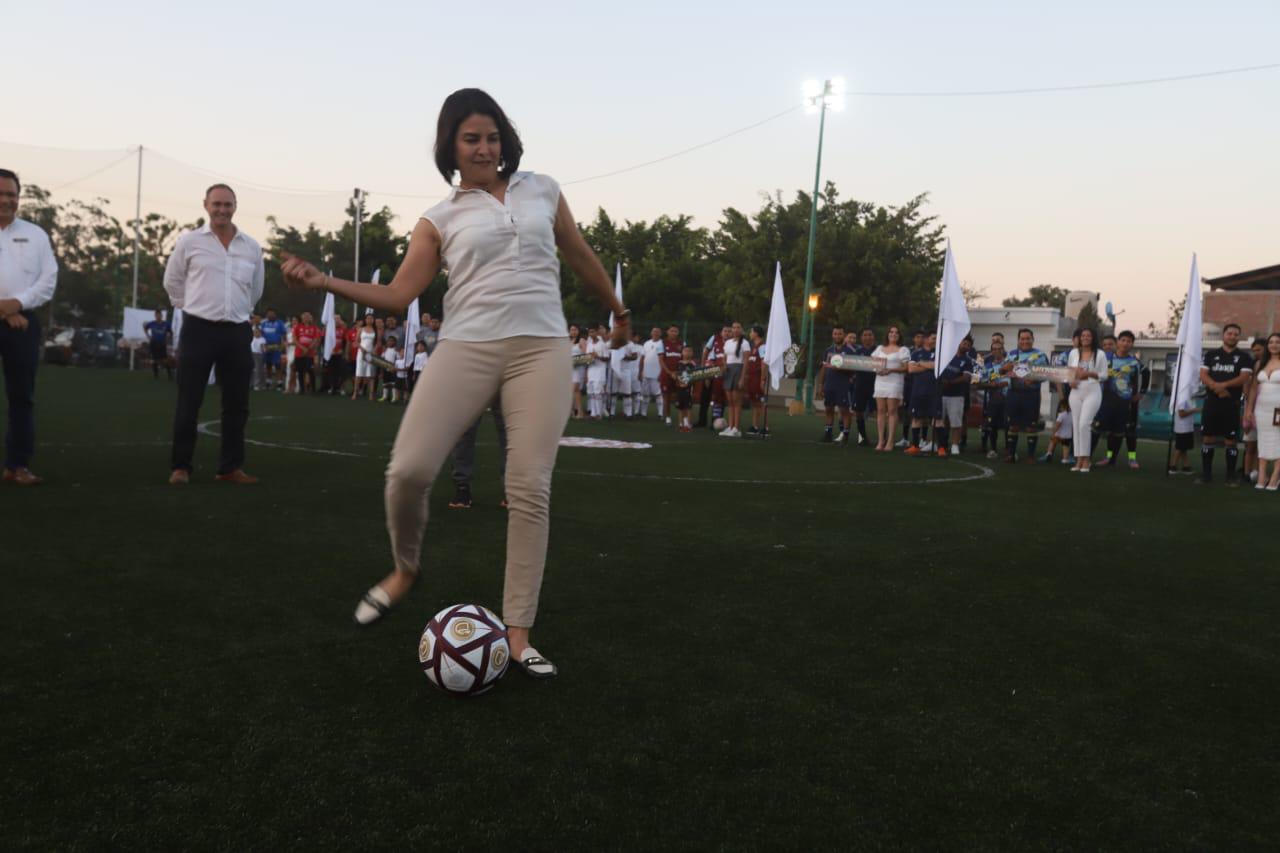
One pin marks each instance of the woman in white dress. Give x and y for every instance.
(1090, 366)
(888, 388)
(365, 371)
(1261, 411)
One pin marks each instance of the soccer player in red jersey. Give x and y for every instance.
(755, 374)
(307, 337)
(672, 349)
(352, 338)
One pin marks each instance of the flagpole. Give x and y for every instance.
(1173, 419)
(137, 225)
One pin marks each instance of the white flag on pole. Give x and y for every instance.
(330, 327)
(617, 291)
(1190, 346)
(778, 337)
(953, 316)
(377, 274)
(412, 325)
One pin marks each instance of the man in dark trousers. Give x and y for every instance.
(28, 276)
(215, 276)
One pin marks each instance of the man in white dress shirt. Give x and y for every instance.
(28, 276)
(215, 276)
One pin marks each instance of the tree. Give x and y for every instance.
(1040, 296)
(1171, 325)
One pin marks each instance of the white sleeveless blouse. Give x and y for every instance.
(504, 276)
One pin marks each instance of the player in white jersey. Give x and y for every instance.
(597, 372)
(629, 377)
(578, 346)
(651, 373)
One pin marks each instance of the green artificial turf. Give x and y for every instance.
(839, 656)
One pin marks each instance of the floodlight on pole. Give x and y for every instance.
(358, 197)
(813, 302)
(819, 97)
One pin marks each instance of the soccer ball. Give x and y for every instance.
(464, 649)
(720, 424)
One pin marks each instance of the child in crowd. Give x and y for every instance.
(391, 354)
(1184, 440)
(1061, 435)
(258, 346)
(419, 362)
(684, 394)
(403, 365)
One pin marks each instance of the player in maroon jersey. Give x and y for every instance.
(672, 349)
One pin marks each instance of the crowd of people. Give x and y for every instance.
(375, 358)
(929, 412)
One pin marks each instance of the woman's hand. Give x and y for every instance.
(300, 274)
(621, 333)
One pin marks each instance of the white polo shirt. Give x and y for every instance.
(28, 269)
(504, 274)
(653, 359)
(214, 283)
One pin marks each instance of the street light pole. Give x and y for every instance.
(359, 196)
(829, 93)
(137, 225)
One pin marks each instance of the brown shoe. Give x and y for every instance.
(179, 477)
(238, 476)
(22, 477)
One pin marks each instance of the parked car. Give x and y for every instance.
(57, 348)
(82, 347)
(1154, 418)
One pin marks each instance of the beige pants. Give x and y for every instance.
(459, 381)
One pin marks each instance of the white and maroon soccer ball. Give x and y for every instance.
(464, 649)
(719, 424)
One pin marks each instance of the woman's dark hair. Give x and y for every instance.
(1093, 339)
(456, 109)
(1267, 357)
(889, 331)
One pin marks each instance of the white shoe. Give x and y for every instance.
(737, 433)
(991, 454)
(901, 443)
(927, 447)
(840, 438)
(955, 450)
(373, 606)
(725, 433)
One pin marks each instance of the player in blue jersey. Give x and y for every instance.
(954, 384)
(926, 406)
(994, 387)
(863, 385)
(273, 332)
(1119, 392)
(1022, 402)
(833, 388)
(159, 332)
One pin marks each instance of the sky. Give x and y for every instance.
(295, 104)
